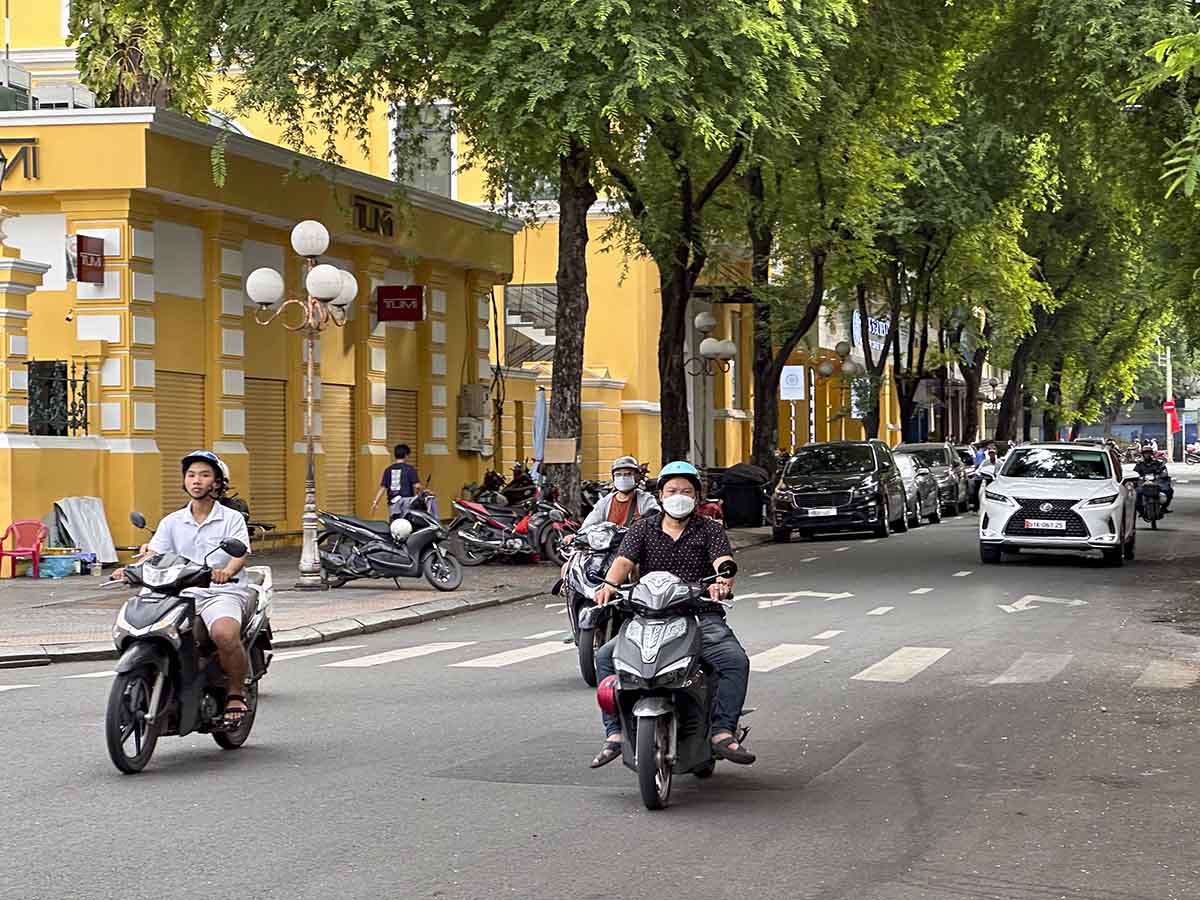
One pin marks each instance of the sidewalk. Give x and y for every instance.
(60, 620)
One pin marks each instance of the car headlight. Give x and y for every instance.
(866, 490)
(1102, 501)
(998, 498)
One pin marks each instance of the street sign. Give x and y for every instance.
(791, 382)
(400, 303)
(1169, 407)
(1191, 403)
(89, 259)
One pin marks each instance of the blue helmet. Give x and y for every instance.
(681, 469)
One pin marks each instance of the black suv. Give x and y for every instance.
(840, 486)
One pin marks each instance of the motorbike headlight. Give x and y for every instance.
(676, 628)
(633, 631)
(999, 498)
(121, 627)
(1106, 500)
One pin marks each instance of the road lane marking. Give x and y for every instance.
(1034, 668)
(107, 673)
(964, 573)
(311, 651)
(902, 665)
(881, 611)
(919, 591)
(556, 606)
(509, 657)
(761, 574)
(378, 659)
(1032, 601)
(872, 541)
(776, 657)
(542, 635)
(810, 559)
(14, 687)
(826, 635)
(840, 549)
(1168, 674)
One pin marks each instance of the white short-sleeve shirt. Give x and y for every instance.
(181, 533)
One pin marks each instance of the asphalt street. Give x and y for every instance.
(916, 739)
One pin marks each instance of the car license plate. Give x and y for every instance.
(1046, 524)
(823, 511)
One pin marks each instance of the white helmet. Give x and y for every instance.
(401, 529)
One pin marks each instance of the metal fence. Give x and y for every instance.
(58, 401)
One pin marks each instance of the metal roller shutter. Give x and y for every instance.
(402, 421)
(180, 428)
(337, 438)
(266, 439)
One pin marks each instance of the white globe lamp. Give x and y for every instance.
(264, 287)
(348, 293)
(310, 238)
(710, 348)
(324, 282)
(705, 322)
(842, 349)
(727, 350)
(825, 368)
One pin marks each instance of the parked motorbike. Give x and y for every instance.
(1150, 500)
(592, 553)
(536, 530)
(167, 682)
(662, 691)
(411, 546)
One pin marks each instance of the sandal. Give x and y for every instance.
(722, 750)
(234, 716)
(611, 750)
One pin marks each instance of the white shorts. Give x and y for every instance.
(226, 603)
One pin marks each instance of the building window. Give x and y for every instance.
(58, 404)
(530, 311)
(424, 152)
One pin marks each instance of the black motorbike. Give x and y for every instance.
(592, 553)
(663, 691)
(1150, 500)
(167, 682)
(534, 530)
(354, 548)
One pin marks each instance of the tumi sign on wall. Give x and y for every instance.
(89, 259)
(400, 303)
(19, 154)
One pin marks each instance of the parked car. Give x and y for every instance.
(921, 491)
(967, 455)
(947, 468)
(1059, 496)
(839, 486)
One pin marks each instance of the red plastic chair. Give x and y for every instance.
(28, 537)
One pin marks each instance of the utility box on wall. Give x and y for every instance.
(473, 401)
(470, 435)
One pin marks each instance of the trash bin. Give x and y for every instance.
(741, 487)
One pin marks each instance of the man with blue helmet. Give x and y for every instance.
(691, 547)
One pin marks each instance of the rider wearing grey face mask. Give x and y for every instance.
(627, 503)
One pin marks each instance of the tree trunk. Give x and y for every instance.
(1050, 420)
(1027, 416)
(970, 430)
(766, 380)
(576, 194)
(676, 419)
(1010, 409)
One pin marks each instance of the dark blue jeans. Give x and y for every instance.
(719, 647)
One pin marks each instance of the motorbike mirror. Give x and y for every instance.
(234, 547)
(588, 616)
(727, 569)
(923, 471)
(138, 520)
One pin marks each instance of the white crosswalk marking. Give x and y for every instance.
(872, 541)
(509, 657)
(1034, 668)
(902, 665)
(840, 549)
(13, 687)
(108, 673)
(810, 559)
(311, 651)
(542, 635)
(776, 657)
(964, 573)
(826, 635)
(378, 659)
(761, 574)
(1168, 674)
(919, 591)
(881, 611)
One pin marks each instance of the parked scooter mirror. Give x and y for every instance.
(727, 569)
(138, 520)
(234, 547)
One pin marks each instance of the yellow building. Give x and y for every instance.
(174, 357)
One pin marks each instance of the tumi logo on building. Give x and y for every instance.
(373, 217)
(21, 152)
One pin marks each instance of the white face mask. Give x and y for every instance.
(679, 506)
(624, 483)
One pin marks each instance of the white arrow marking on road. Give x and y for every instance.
(768, 601)
(1032, 601)
(13, 687)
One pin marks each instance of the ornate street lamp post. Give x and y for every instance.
(715, 356)
(330, 292)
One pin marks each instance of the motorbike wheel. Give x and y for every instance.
(552, 546)
(125, 727)
(1153, 520)
(587, 655)
(654, 773)
(232, 740)
(464, 552)
(444, 573)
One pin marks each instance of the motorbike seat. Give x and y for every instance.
(493, 510)
(381, 528)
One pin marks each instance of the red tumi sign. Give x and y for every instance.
(89, 259)
(400, 303)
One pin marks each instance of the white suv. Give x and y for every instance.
(1058, 497)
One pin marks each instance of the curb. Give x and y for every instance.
(318, 633)
(18, 657)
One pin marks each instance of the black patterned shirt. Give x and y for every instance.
(690, 558)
